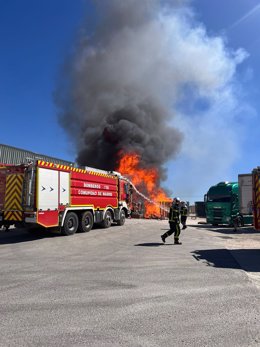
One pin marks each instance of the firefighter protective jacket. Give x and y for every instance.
(174, 214)
(184, 211)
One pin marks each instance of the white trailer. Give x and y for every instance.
(246, 197)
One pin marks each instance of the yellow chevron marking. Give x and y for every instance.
(15, 194)
(13, 197)
(13, 189)
(13, 215)
(14, 181)
(12, 193)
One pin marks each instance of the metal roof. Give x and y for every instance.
(13, 155)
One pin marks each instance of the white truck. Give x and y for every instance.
(245, 198)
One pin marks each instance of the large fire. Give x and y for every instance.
(146, 181)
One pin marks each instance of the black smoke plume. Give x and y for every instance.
(119, 88)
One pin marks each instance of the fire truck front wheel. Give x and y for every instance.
(106, 223)
(86, 222)
(71, 224)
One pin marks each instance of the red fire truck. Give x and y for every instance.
(72, 199)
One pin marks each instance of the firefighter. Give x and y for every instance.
(184, 213)
(237, 221)
(174, 221)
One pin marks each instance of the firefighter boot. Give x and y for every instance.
(163, 237)
(177, 242)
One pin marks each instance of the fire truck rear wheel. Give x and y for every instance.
(71, 224)
(106, 223)
(121, 220)
(86, 222)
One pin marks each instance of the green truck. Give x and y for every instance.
(229, 203)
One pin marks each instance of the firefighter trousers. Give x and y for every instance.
(174, 228)
(183, 221)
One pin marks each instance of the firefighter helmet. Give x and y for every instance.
(176, 201)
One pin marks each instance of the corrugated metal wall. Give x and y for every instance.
(13, 155)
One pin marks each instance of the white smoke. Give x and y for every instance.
(209, 111)
(148, 73)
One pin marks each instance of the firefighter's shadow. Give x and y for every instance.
(154, 244)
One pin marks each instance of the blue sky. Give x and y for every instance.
(238, 23)
(36, 36)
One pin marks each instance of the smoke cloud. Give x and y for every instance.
(148, 80)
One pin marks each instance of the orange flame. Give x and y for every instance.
(146, 181)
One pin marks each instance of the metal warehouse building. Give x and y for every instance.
(16, 156)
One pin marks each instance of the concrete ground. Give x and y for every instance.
(244, 245)
(123, 287)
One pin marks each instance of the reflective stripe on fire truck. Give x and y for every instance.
(257, 199)
(72, 169)
(13, 197)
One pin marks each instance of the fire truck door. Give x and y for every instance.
(64, 188)
(47, 187)
(47, 197)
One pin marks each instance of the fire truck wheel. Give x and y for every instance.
(86, 222)
(71, 224)
(106, 223)
(121, 221)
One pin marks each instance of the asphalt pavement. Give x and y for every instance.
(123, 287)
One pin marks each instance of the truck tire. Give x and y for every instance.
(106, 223)
(121, 220)
(70, 225)
(86, 222)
